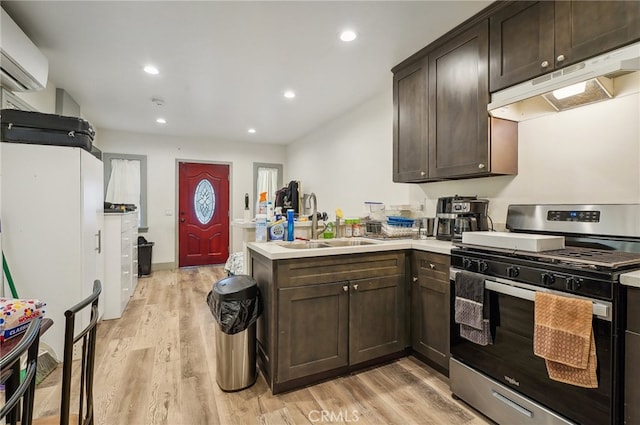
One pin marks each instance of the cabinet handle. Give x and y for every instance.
(415, 279)
(560, 58)
(432, 266)
(355, 286)
(480, 166)
(345, 288)
(544, 64)
(99, 236)
(422, 173)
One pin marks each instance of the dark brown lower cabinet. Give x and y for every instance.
(376, 317)
(430, 307)
(313, 329)
(632, 356)
(632, 379)
(324, 316)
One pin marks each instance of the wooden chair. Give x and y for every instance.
(24, 391)
(88, 337)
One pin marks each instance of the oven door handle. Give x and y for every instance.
(599, 309)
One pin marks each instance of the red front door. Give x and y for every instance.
(203, 214)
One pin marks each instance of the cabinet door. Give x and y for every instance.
(632, 377)
(313, 326)
(521, 43)
(376, 325)
(430, 307)
(458, 98)
(410, 106)
(588, 28)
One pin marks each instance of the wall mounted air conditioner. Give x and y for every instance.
(23, 65)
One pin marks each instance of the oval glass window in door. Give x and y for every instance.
(204, 201)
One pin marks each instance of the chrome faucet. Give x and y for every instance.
(314, 217)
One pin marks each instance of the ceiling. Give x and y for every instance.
(224, 66)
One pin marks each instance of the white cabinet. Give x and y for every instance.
(121, 261)
(52, 217)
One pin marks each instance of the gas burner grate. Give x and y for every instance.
(591, 258)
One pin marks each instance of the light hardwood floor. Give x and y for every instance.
(156, 365)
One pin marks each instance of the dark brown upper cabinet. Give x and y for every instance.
(463, 140)
(410, 136)
(441, 127)
(528, 39)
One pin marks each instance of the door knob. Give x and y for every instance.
(560, 58)
(544, 64)
(345, 288)
(182, 220)
(355, 286)
(415, 279)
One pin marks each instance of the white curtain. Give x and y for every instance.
(124, 184)
(267, 182)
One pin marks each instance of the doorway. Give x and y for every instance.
(203, 214)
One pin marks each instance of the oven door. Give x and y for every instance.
(510, 359)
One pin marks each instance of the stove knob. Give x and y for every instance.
(548, 279)
(482, 266)
(572, 284)
(513, 271)
(466, 263)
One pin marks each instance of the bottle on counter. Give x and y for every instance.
(356, 228)
(290, 227)
(261, 227)
(348, 228)
(262, 204)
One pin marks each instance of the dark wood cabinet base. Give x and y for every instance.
(317, 378)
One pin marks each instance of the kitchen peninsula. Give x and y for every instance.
(329, 309)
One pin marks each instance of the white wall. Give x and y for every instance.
(585, 155)
(162, 153)
(349, 160)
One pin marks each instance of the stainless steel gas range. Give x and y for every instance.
(505, 380)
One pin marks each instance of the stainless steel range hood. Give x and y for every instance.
(609, 75)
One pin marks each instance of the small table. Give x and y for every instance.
(10, 344)
(14, 379)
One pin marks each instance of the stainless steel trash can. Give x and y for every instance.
(235, 304)
(236, 359)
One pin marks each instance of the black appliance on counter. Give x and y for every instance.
(505, 380)
(458, 214)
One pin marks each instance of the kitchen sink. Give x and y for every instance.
(348, 242)
(303, 244)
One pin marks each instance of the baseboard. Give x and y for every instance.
(163, 266)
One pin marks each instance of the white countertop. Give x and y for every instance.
(631, 279)
(274, 251)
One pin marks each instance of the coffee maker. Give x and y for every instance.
(458, 214)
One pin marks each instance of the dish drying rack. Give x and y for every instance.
(393, 227)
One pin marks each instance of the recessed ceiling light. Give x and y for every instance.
(289, 94)
(161, 121)
(251, 130)
(348, 35)
(150, 69)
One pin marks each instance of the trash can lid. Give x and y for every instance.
(237, 287)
